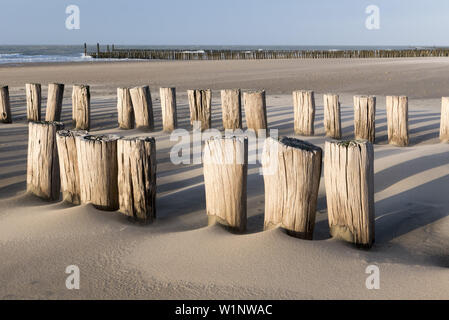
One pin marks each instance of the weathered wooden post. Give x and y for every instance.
(168, 106)
(125, 109)
(5, 107)
(304, 112)
(81, 107)
(143, 107)
(255, 110)
(33, 97)
(365, 118)
(292, 172)
(444, 124)
(397, 120)
(349, 180)
(231, 108)
(332, 120)
(225, 168)
(42, 160)
(200, 102)
(68, 165)
(54, 102)
(137, 178)
(97, 164)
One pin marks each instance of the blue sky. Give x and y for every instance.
(228, 22)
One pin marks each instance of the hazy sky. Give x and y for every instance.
(240, 22)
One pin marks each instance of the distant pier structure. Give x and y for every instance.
(112, 51)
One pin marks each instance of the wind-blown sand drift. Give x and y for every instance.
(179, 256)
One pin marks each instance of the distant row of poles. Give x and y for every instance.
(226, 54)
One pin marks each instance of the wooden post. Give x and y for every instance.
(332, 121)
(200, 107)
(349, 180)
(33, 96)
(304, 112)
(143, 107)
(168, 106)
(397, 120)
(98, 50)
(292, 172)
(125, 109)
(365, 118)
(42, 161)
(137, 178)
(81, 107)
(68, 165)
(444, 124)
(255, 110)
(5, 107)
(225, 168)
(231, 108)
(54, 102)
(97, 164)
(85, 49)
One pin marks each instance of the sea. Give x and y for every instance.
(22, 54)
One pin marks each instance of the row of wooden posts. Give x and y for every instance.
(226, 54)
(111, 172)
(135, 109)
(292, 173)
(115, 173)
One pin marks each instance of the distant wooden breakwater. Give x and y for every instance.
(116, 173)
(215, 54)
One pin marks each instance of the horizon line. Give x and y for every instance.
(240, 45)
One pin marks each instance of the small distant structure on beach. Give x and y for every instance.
(256, 54)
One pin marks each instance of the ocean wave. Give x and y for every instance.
(19, 58)
(193, 51)
(7, 58)
(8, 55)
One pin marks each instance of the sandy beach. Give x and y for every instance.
(179, 256)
